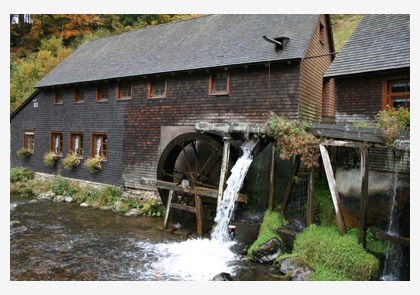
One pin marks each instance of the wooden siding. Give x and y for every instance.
(316, 61)
(329, 99)
(188, 103)
(89, 117)
(360, 97)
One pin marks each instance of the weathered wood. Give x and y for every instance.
(333, 188)
(199, 214)
(184, 207)
(201, 191)
(378, 234)
(223, 169)
(168, 209)
(310, 197)
(289, 187)
(374, 135)
(272, 180)
(345, 143)
(364, 170)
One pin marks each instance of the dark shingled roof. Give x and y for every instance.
(380, 42)
(203, 42)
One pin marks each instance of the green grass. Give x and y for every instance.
(343, 26)
(335, 257)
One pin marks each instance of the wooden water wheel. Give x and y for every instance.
(189, 168)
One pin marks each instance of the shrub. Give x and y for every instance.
(23, 153)
(93, 164)
(293, 139)
(71, 161)
(335, 257)
(20, 174)
(59, 185)
(50, 158)
(392, 121)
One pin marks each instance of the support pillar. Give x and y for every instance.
(364, 170)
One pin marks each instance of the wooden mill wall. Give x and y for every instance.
(188, 102)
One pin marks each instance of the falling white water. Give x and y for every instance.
(227, 205)
(393, 252)
(201, 259)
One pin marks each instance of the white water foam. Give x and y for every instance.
(201, 259)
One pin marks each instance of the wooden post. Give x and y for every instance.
(333, 188)
(168, 208)
(224, 168)
(199, 214)
(272, 184)
(289, 187)
(310, 198)
(364, 169)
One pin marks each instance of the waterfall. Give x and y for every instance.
(394, 255)
(226, 207)
(200, 259)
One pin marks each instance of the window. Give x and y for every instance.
(79, 94)
(28, 140)
(100, 145)
(219, 83)
(398, 93)
(56, 144)
(76, 144)
(59, 96)
(157, 88)
(103, 92)
(125, 89)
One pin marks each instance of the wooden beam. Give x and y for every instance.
(333, 188)
(199, 214)
(364, 170)
(272, 180)
(168, 209)
(378, 234)
(345, 143)
(223, 169)
(295, 170)
(310, 198)
(201, 191)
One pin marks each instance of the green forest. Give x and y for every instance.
(39, 42)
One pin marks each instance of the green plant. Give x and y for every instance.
(392, 121)
(293, 139)
(59, 185)
(23, 153)
(152, 208)
(109, 195)
(335, 257)
(20, 174)
(93, 164)
(71, 161)
(50, 158)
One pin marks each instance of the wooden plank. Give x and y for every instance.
(295, 170)
(199, 214)
(333, 188)
(345, 143)
(378, 234)
(183, 207)
(348, 132)
(272, 180)
(201, 191)
(168, 209)
(364, 195)
(310, 197)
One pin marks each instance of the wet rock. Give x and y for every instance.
(223, 276)
(268, 251)
(301, 274)
(84, 204)
(133, 212)
(58, 198)
(19, 229)
(68, 199)
(287, 265)
(47, 196)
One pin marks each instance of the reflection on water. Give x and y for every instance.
(62, 241)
